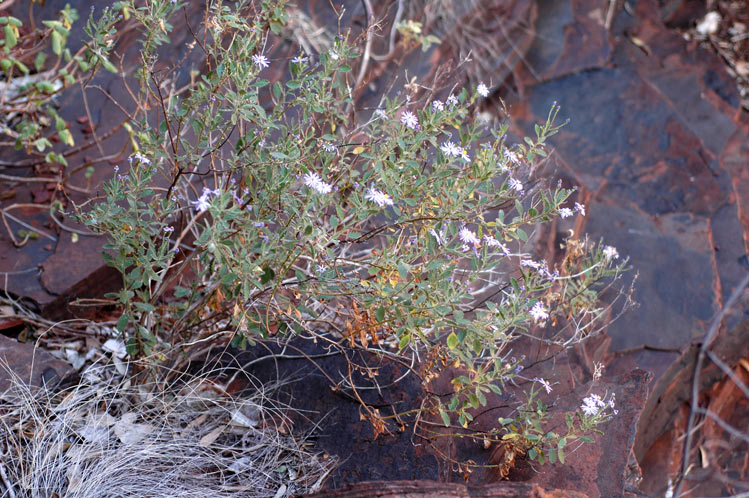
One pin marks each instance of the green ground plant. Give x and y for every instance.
(262, 201)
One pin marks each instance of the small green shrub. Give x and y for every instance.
(276, 207)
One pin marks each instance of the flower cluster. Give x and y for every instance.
(328, 147)
(140, 158)
(313, 181)
(204, 201)
(516, 185)
(450, 149)
(594, 405)
(468, 237)
(493, 242)
(378, 197)
(610, 253)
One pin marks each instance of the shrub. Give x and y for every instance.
(278, 207)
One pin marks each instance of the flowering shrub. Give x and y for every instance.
(266, 208)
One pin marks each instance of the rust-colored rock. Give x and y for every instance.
(31, 365)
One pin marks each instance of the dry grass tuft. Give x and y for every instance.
(108, 437)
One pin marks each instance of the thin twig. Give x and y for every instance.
(729, 373)
(694, 408)
(8, 486)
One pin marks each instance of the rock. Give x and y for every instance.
(30, 364)
(432, 489)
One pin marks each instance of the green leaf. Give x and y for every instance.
(147, 307)
(131, 346)
(66, 137)
(10, 36)
(57, 43)
(39, 61)
(515, 285)
(20, 65)
(267, 275)
(108, 65)
(452, 340)
(552, 455)
(519, 207)
(122, 322)
(403, 270)
(404, 341)
(445, 417)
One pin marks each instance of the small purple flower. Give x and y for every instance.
(439, 237)
(482, 90)
(580, 208)
(512, 157)
(539, 313)
(410, 120)
(328, 147)
(260, 61)
(437, 106)
(378, 197)
(515, 185)
(544, 383)
(450, 149)
(565, 212)
(468, 237)
(141, 158)
(492, 242)
(204, 201)
(168, 229)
